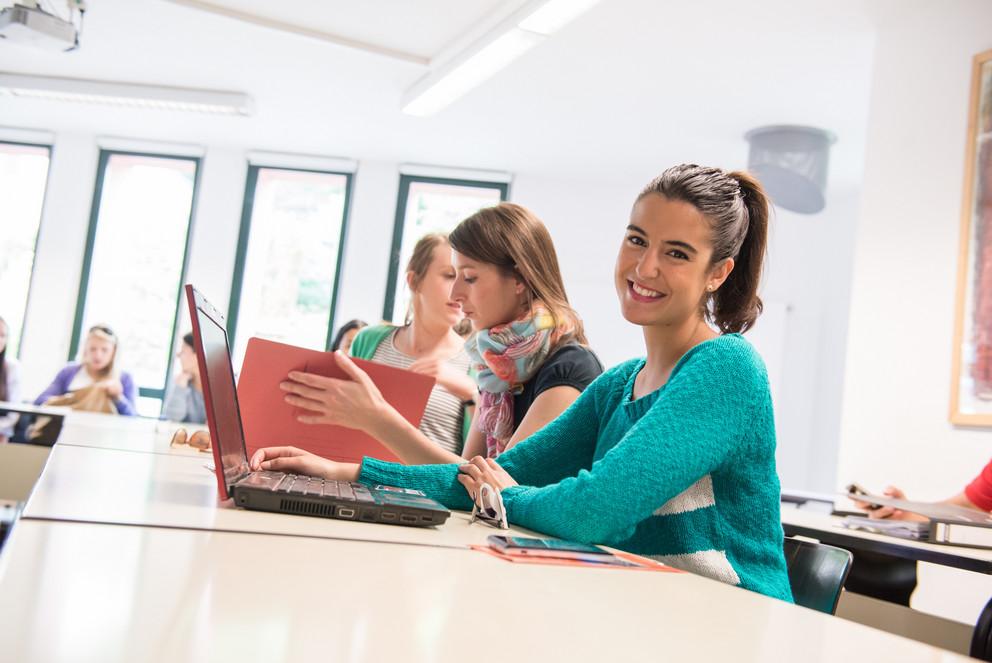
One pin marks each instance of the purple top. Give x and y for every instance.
(125, 404)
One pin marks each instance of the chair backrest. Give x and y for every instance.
(816, 573)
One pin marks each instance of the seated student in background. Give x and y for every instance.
(10, 384)
(976, 495)
(428, 343)
(185, 400)
(346, 335)
(671, 456)
(528, 352)
(97, 373)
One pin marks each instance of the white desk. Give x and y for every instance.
(104, 431)
(828, 529)
(99, 593)
(86, 484)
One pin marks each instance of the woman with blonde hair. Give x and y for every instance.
(428, 343)
(528, 351)
(97, 371)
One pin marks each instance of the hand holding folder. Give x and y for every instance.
(270, 421)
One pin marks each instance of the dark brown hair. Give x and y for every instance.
(345, 328)
(737, 210)
(513, 239)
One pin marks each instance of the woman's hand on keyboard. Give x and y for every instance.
(298, 461)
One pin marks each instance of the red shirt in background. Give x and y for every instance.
(979, 491)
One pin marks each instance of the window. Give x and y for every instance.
(135, 260)
(426, 205)
(289, 257)
(23, 176)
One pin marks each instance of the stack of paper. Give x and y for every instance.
(906, 529)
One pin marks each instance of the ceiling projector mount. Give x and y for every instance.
(43, 26)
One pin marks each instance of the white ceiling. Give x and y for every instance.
(628, 88)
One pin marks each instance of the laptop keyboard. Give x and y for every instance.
(293, 484)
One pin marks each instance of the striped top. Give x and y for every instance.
(442, 420)
(685, 474)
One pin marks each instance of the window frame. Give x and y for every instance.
(37, 234)
(244, 234)
(399, 222)
(77, 324)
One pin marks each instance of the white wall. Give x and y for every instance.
(58, 262)
(895, 411)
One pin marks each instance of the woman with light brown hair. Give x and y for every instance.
(528, 348)
(429, 343)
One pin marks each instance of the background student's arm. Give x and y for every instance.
(59, 384)
(475, 443)
(13, 396)
(458, 383)
(976, 495)
(175, 403)
(545, 409)
(682, 438)
(127, 402)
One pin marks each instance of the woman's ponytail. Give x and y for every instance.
(736, 305)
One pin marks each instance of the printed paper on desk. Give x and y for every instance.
(269, 420)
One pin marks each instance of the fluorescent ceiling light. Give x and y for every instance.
(520, 32)
(441, 91)
(129, 95)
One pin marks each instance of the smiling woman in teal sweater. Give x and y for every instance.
(673, 455)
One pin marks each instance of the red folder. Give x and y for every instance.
(270, 421)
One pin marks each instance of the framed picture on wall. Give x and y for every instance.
(971, 390)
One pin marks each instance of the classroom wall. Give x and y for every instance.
(896, 392)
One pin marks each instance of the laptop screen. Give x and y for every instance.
(222, 395)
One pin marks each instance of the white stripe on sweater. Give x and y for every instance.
(697, 496)
(709, 563)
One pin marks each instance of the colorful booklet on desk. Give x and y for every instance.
(949, 524)
(621, 560)
(269, 420)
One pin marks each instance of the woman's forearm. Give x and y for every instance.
(461, 385)
(407, 442)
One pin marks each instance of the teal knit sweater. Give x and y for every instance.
(685, 475)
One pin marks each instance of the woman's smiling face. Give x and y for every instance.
(663, 270)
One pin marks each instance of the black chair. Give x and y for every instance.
(816, 573)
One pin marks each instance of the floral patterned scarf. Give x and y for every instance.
(504, 358)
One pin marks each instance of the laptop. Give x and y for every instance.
(283, 492)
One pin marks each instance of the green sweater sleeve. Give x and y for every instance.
(689, 430)
(560, 449)
(438, 482)
(566, 444)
